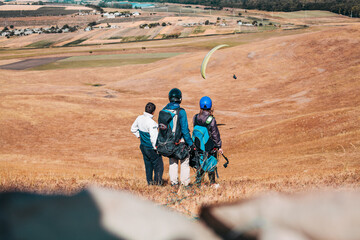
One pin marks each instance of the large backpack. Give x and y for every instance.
(168, 142)
(202, 159)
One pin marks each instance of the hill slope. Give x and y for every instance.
(290, 120)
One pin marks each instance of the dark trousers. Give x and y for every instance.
(154, 165)
(200, 174)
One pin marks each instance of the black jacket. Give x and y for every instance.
(213, 129)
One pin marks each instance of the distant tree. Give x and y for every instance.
(142, 25)
(91, 24)
(1, 3)
(163, 24)
(65, 26)
(101, 5)
(215, 3)
(37, 3)
(121, 5)
(174, 35)
(151, 25)
(97, 8)
(12, 26)
(5, 29)
(355, 10)
(207, 22)
(239, 14)
(346, 7)
(73, 29)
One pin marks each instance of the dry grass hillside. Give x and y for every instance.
(290, 121)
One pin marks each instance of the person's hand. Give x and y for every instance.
(221, 151)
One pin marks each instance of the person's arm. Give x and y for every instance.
(194, 120)
(153, 131)
(215, 134)
(135, 128)
(185, 127)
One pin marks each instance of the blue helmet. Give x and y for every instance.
(205, 103)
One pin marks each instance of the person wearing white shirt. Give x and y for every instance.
(146, 129)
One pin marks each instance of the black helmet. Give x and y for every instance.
(175, 95)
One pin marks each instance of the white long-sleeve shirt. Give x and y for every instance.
(146, 129)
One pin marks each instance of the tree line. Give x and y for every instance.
(114, 4)
(344, 7)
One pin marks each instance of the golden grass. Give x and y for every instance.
(186, 200)
(290, 121)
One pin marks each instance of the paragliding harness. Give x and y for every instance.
(168, 143)
(204, 158)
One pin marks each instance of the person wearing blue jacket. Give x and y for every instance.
(175, 97)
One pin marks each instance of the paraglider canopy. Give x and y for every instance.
(207, 57)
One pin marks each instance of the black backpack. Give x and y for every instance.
(168, 142)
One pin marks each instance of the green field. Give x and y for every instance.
(105, 60)
(6, 54)
(40, 44)
(75, 43)
(306, 14)
(132, 38)
(199, 29)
